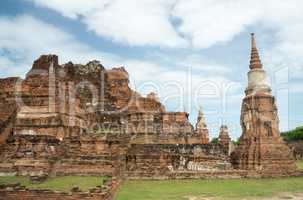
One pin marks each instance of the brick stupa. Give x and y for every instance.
(261, 147)
(201, 127)
(224, 138)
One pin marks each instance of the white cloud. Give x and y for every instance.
(144, 22)
(73, 8)
(25, 38)
(177, 23)
(20, 50)
(210, 22)
(202, 65)
(131, 22)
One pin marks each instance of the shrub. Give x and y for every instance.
(214, 141)
(293, 135)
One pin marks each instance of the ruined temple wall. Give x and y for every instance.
(57, 104)
(148, 127)
(8, 108)
(38, 155)
(41, 194)
(48, 103)
(17, 192)
(174, 123)
(29, 155)
(152, 138)
(56, 100)
(104, 166)
(98, 156)
(161, 128)
(297, 149)
(7, 122)
(148, 161)
(6, 131)
(92, 155)
(124, 98)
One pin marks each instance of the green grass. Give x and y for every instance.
(65, 183)
(300, 164)
(220, 189)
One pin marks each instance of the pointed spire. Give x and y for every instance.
(223, 131)
(201, 119)
(255, 62)
(200, 112)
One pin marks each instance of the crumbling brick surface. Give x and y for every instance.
(261, 146)
(8, 109)
(225, 140)
(86, 120)
(18, 192)
(164, 160)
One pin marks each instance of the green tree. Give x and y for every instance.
(236, 142)
(293, 135)
(214, 141)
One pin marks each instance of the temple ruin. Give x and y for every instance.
(261, 147)
(75, 119)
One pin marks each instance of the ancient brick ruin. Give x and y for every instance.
(17, 191)
(261, 147)
(201, 128)
(225, 140)
(86, 120)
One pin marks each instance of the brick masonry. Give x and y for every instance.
(75, 119)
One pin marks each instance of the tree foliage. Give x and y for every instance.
(214, 141)
(293, 135)
(236, 142)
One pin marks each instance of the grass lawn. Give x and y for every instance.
(65, 183)
(300, 164)
(220, 189)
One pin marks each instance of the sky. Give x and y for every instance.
(192, 53)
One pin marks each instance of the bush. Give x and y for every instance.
(236, 142)
(293, 135)
(214, 141)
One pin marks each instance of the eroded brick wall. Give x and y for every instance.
(36, 155)
(172, 160)
(57, 128)
(17, 192)
(261, 146)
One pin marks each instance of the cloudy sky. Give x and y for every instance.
(191, 52)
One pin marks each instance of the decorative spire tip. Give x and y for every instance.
(255, 62)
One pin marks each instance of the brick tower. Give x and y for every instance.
(224, 138)
(261, 147)
(201, 128)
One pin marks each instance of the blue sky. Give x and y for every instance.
(192, 53)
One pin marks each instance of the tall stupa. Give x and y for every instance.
(261, 147)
